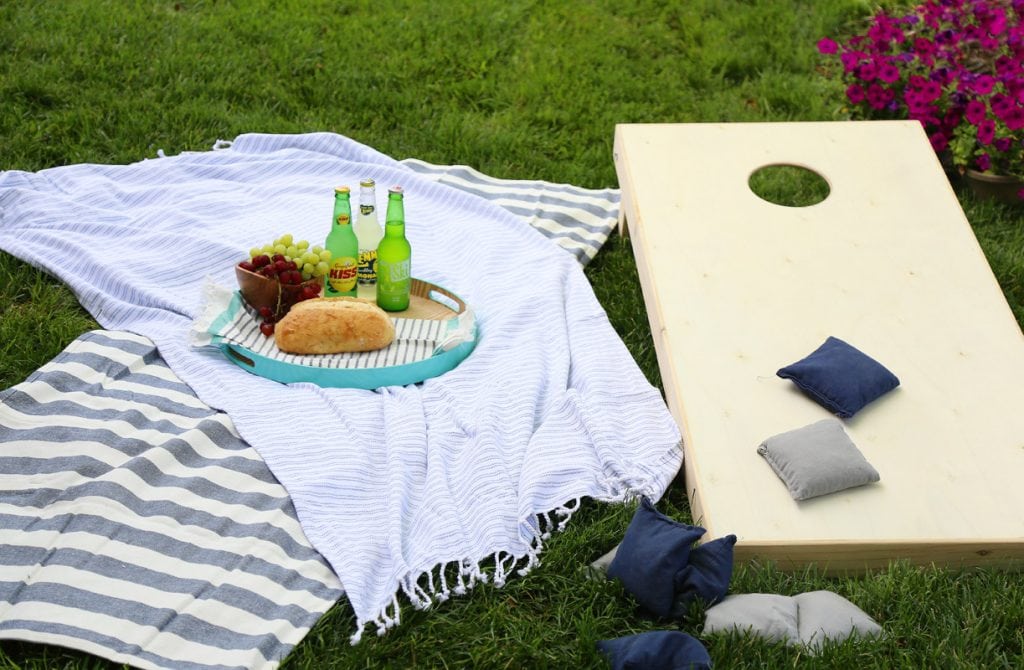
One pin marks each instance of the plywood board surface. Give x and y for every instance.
(737, 287)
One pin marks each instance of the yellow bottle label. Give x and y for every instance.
(343, 274)
(367, 266)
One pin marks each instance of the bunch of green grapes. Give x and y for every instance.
(311, 262)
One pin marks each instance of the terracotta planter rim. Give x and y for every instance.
(992, 176)
(989, 186)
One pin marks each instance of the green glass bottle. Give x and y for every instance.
(394, 257)
(344, 247)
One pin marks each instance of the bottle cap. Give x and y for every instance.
(367, 183)
(395, 189)
(341, 189)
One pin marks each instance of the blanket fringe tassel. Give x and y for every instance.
(467, 573)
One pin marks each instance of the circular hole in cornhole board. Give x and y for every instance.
(788, 185)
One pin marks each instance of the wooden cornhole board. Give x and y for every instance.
(737, 287)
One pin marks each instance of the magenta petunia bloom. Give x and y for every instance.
(975, 112)
(924, 47)
(1015, 89)
(879, 97)
(889, 73)
(1007, 66)
(931, 91)
(1014, 120)
(986, 131)
(955, 66)
(943, 76)
(939, 141)
(916, 82)
(952, 117)
(982, 84)
(997, 23)
(1001, 105)
(850, 59)
(867, 71)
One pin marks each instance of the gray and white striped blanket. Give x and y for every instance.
(135, 523)
(578, 220)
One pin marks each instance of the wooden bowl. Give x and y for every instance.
(259, 291)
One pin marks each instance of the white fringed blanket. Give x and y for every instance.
(393, 485)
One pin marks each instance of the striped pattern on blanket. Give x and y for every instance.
(577, 219)
(138, 526)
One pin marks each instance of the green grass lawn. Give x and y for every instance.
(518, 89)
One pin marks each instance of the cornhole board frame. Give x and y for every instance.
(737, 287)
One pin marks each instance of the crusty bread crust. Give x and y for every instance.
(333, 326)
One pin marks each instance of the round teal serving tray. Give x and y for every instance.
(427, 301)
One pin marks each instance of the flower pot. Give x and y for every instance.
(1001, 188)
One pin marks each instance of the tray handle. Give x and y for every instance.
(447, 294)
(239, 357)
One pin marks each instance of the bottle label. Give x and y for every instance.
(394, 273)
(394, 282)
(342, 276)
(366, 209)
(367, 266)
(393, 285)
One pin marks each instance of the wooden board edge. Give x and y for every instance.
(629, 218)
(854, 558)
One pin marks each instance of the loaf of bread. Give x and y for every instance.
(333, 326)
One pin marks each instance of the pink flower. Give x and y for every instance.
(827, 46)
(924, 48)
(931, 91)
(867, 71)
(982, 84)
(1007, 66)
(916, 82)
(1001, 105)
(884, 30)
(889, 73)
(955, 66)
(1014, 120)
(1015, 89)
(850, 59)
(975, 111)
(997, 23)
(926, 115)
(986, 131)
(951, 119)
(879, 97)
